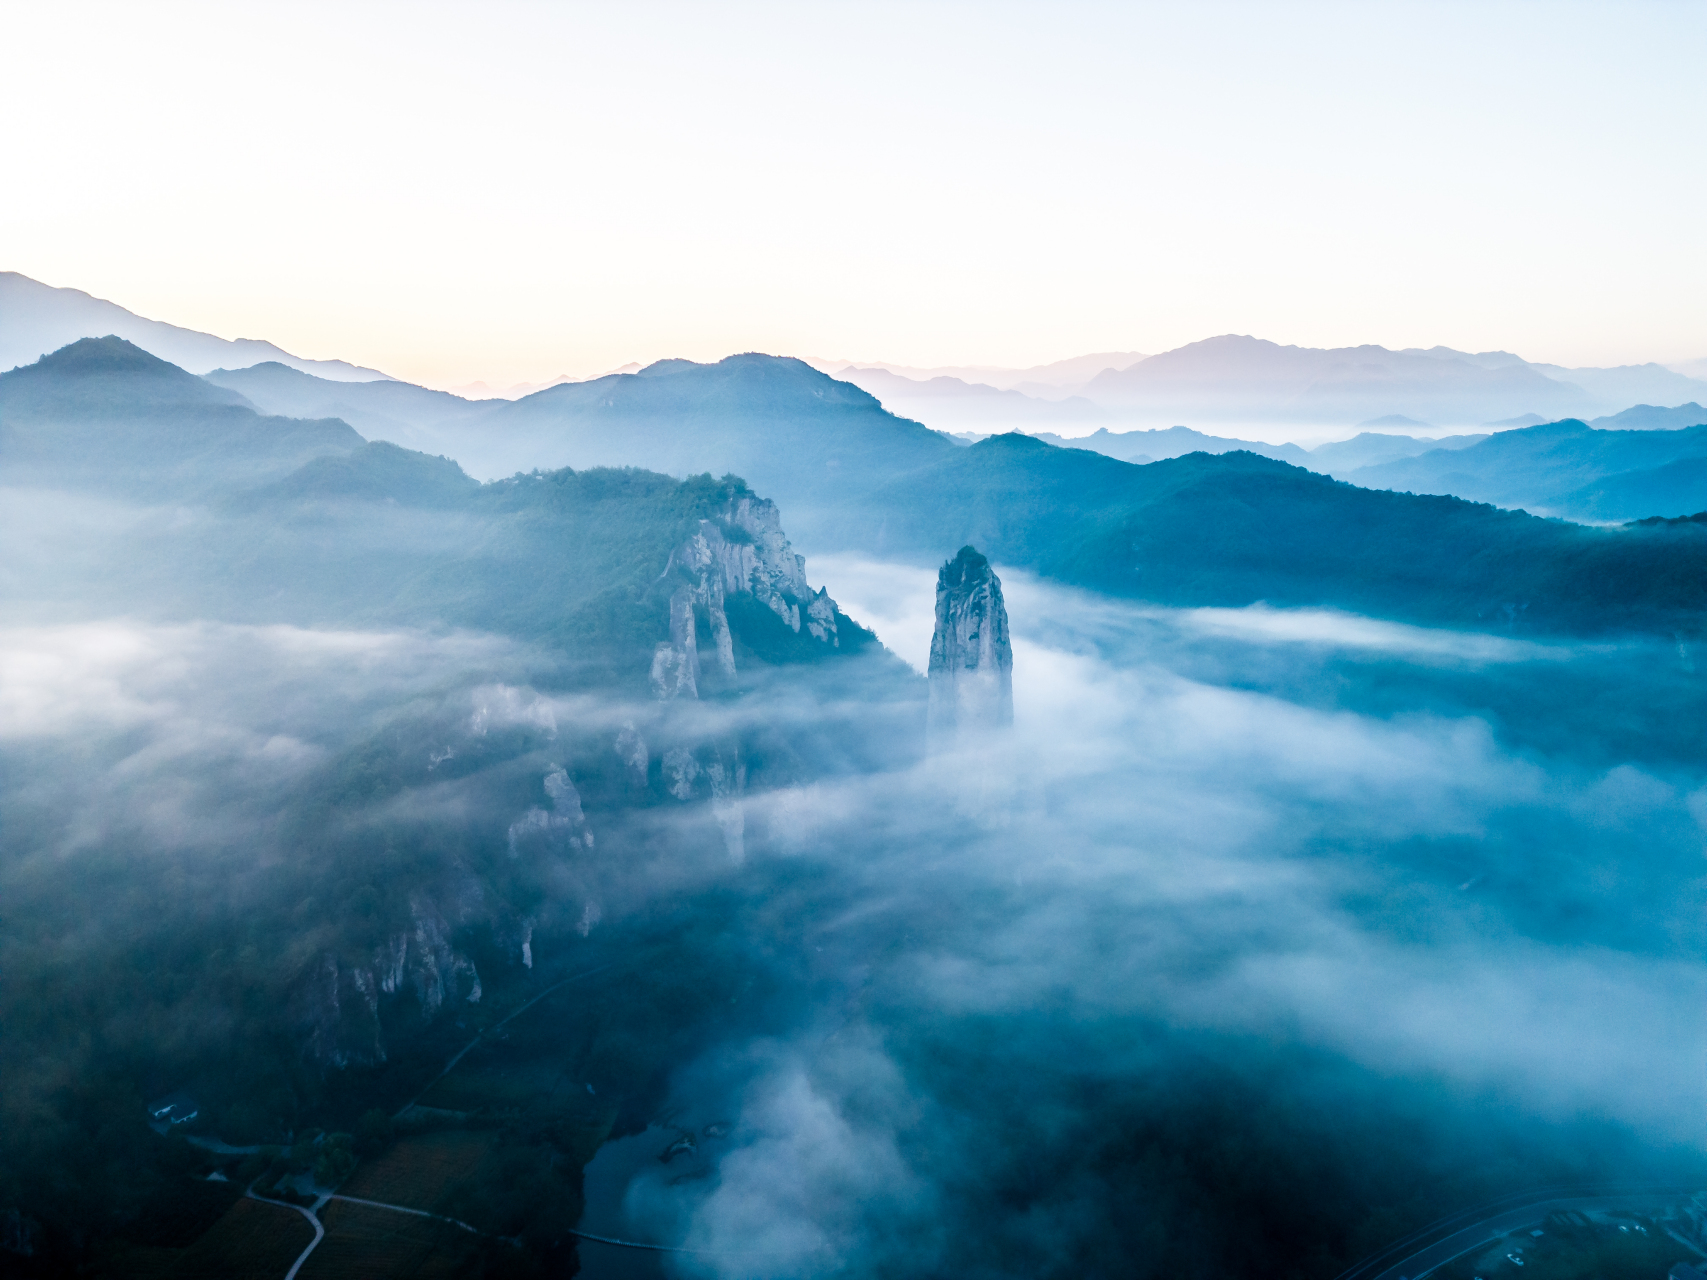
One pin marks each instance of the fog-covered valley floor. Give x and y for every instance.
(1263, 936)
(1393, 933)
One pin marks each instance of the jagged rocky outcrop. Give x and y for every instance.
(336, 1002)
(740, 551)
(972, 661)
(558, 829)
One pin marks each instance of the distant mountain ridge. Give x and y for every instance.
(1244, 380)
(952, 403)
(1057, 379)
(1231, 379)
(1236, 378)
(401, 412)
(36, 318)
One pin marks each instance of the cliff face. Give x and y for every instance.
(336, 1002)
(972, 662)
(741, 551)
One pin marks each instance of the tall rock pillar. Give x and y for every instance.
(972, 662)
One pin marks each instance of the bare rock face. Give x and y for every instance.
(336, 1001)
(972, 662)
(742, 551)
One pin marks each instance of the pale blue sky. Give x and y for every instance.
(511, 191)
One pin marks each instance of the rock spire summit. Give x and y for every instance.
(972, 662)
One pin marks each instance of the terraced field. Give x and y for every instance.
(422, 1171)
(252, 1239)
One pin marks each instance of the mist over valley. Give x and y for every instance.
(764, 642)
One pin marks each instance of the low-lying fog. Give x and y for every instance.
(1345, 868)
(1150, 856)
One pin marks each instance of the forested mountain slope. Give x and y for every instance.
(799, 436)
(104, 412)
(1560, 469)
(1234, 529)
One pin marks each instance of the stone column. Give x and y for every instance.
(972, 662)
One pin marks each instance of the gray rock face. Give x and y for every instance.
(972, 662)
(336, 1001)
(742, 551)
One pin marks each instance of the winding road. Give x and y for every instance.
(313, 1213)
(313, 1221)
(313, 1216)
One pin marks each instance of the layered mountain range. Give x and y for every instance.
(36, 318)
(1247, 381)
(1202, 528)
(1235, 380)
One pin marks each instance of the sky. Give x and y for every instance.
(509, 192)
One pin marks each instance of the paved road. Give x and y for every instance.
(313, 1221)
(1485, 1232)
(419, 1213)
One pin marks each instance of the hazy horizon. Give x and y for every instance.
(1051, 389)
(947, 185)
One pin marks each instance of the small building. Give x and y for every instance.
(174, 1109)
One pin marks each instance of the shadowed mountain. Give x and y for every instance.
(1671, 490)
(813, 443)
(104, 413)
(807, 439)
(376, 472)
(1562, 468)
(582, 561)
(1235, 529)
(36, 318)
